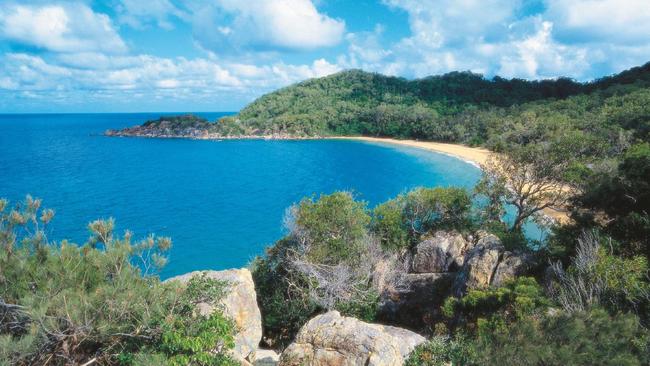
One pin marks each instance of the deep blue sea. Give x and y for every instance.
(221, 202)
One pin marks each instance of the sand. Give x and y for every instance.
(474, 155)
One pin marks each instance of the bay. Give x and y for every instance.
(221, 202)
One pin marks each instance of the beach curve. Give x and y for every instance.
(473, 155)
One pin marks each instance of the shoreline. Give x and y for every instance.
(475, 156)
(471, 155)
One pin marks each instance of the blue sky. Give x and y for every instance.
(218, 55)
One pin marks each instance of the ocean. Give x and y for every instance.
(221, 202)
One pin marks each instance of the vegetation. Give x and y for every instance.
(581, 147)
(526, 180)
(401, 222)
(61, 303)
(569, 317)
(178, 123)
(586, 338)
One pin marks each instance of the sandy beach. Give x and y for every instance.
(473, 155)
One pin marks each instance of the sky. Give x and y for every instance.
(219, 55)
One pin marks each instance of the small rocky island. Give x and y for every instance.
(186, 126)
(194, 127)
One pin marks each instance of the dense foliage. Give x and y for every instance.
(400, 222)
(321, 264)
(179, 123)
(459, 107)
(61, 303)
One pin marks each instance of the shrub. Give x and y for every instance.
(325, 262)
(439, 351)
(436, 208)
(332, 227)
(388, 225)
(515, 300)
(67, 304)
(596, 277)
(284, 306)
(582, 338)
(400, 222)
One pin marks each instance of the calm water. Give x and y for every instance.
(221, 202)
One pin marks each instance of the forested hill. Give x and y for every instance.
(357, 102)
(458, 107)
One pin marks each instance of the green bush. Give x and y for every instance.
(388, 225)
(335, 224)
(584, 338)
(400, 222)
(440, 351)
(426, 209)
(66, 304)
(515, 300)
(598, 278)
(284, 307)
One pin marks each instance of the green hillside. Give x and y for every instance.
(455, 107)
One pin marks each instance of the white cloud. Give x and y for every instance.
(262, 25)
(539, 56)
(60, 28)
(585, 21)
(149, 74)
(366, 46)
(439, 23)
(131, 82)
(577, 38)
(168, 83)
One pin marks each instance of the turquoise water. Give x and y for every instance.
(221, 202)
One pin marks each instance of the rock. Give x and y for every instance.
(385, 273)
(444, 252)
(480, 264)
(510, 266)
(266, 357)
(416, 303)
(239, 304)
(333, 340)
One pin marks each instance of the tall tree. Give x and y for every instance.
(530, 179)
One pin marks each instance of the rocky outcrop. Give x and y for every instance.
(511, 266)
(416, 303)
(489, 264)
(444, 252)
(333, 340)
(239, 304)
(441, 265)
(480, 264)
(266, 357)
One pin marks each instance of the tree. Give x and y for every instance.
(529, 178)
(623, 195)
